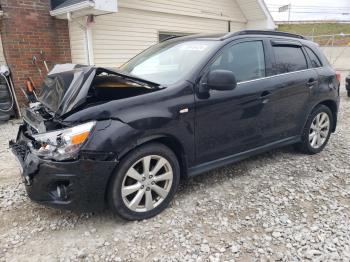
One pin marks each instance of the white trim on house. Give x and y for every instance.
(90, 46)
(73, 8)
(256, 14)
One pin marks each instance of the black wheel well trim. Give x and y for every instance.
(168, 140)
(332, 105)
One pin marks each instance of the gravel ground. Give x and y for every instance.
(281, 205)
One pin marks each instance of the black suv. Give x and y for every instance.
(123, 138)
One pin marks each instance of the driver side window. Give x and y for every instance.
(246, 60)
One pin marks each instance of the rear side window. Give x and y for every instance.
(246, 60)
(315, 61)
(289, 59)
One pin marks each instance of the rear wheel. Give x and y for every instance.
(145, 182)
(317, 130)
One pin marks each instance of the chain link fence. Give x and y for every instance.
(331, 40)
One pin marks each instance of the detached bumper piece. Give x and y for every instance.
(74, 185)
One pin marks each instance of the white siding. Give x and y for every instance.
(2, 57)
(120, 36)
(218, 9)
(77, 42)
(251, 9)
(256, 14)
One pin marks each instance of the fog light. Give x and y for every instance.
(62, 192)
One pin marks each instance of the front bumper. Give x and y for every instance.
(78, 185)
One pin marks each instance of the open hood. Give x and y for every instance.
(66, 86)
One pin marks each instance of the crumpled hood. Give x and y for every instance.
(61, 87)
(67, 85)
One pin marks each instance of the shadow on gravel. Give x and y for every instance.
(187, 187)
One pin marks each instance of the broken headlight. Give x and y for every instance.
(63, 144)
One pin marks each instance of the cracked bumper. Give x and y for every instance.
(78, 185)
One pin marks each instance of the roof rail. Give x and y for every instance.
(262, 32)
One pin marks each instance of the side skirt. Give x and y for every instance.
(196, 170)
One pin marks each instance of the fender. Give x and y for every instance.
(142, 118)
(120, 138)
(331, 103)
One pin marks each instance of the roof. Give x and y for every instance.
(263, 32)
(257, 14)
(225, 36)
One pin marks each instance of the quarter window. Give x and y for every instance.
(246, 60)
(289, 59)
(315, 61)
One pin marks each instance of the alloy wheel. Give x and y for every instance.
(147, 183)
(319, 130)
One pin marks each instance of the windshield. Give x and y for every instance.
(168, 62)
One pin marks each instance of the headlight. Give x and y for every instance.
(64, 143)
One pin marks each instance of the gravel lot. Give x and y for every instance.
(281, 205)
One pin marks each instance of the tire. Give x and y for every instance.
(121, 182)
(4, 94)
(4, 117)
(5, 106)
(308, 145)
(348, 93)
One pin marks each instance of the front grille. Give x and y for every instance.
(19, 149)
(32, 130)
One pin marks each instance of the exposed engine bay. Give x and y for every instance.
(107, 87)
(70, 88)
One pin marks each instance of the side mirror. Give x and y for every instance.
(221, 80)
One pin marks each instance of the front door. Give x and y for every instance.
(227, 122)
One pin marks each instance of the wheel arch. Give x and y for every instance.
(169, 141)
(332, 105)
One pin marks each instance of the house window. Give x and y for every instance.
(162, 36)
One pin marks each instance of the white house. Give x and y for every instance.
(110, 32)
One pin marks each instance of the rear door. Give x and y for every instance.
(291, 82)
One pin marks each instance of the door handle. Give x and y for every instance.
(265, 96)
(311, 82)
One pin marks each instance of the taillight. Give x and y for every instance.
(337, 76)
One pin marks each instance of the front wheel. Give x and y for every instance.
(317, 130)
(145, 182)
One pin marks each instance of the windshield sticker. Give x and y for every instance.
(194, 47)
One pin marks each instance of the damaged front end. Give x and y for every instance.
(76, 182)
(58, 166)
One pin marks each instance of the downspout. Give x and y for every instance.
(88, 39)
(89, 45)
